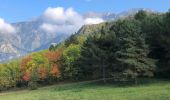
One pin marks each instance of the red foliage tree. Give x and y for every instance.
(26, 76)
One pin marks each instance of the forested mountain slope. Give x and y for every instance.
(125, 49)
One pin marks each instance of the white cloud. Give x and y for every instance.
(54, 15)
(48, 27)
(93, 20)
(6, 28)
(52, 28)
(60, 20)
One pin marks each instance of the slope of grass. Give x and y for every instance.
(155, 90)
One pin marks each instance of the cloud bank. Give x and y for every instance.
(56, 20)
(6, 28)
(60, 20)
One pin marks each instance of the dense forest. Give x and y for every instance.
(124, 50)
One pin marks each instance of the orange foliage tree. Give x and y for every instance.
(42, 72)
(24, 62)
(23, 68)
(54, 70)
(54, 57)
(30, 64)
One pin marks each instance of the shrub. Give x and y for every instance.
(32, 85)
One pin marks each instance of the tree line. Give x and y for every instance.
(125, 49)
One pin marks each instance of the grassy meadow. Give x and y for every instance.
(150, 90)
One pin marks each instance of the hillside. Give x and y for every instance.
(124, 50)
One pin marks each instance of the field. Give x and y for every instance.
(151, 90)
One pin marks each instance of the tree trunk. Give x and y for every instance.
(136, 81)
(104, 72)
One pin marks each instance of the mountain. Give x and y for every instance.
(29, 37)
(32, 37)
(59, 38)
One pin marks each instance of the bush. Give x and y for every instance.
(6, 83)
(32, 85)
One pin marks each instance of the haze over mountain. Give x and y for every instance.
(53, 26)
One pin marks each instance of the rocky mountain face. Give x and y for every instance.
(29, 37)
(7, 51)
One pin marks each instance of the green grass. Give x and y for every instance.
(152, 90)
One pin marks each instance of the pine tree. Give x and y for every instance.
(95, 54)
(131, 55)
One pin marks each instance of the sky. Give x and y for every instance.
(20, 10)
